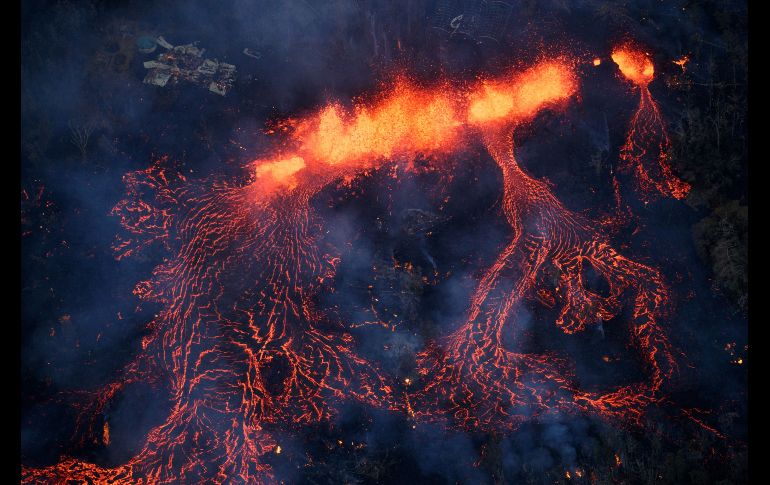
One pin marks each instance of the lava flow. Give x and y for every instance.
(480, 380)
(241, 344)
(644, 153)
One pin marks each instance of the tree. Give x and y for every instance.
(80, 133)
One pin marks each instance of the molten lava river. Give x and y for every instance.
(247, 352)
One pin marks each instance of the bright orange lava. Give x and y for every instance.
(482, 382)
(520, 97)
(645, 152)
(241, 344)
(634, 64)
(407, 120)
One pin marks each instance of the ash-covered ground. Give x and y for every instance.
(413, 246)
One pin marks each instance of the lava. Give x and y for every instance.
(482, 382)
(521, 96)
(635, 65)
(242, 346)
(682, 62)
(645, 152)
(403, 121)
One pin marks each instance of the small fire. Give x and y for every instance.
(106, 434)
(681, 62)
(597, 62)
